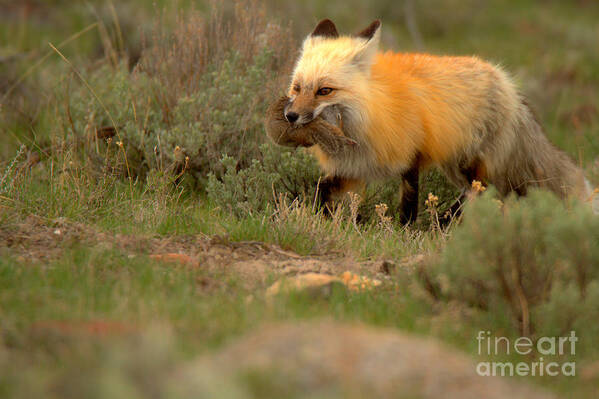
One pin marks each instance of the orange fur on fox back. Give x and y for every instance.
(427, 104)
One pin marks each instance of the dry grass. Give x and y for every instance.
(179, 59)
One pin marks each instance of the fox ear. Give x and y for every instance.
(325, 28)
(369, 32)
(365, 54)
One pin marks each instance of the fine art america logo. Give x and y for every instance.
(489, 345)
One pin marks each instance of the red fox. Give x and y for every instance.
(410, 111)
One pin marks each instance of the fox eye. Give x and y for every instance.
(324, 91)
(296, 88)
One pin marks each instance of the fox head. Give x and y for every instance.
(330, 70)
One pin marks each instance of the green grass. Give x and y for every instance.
(91, 284)
(114, 208)
(164, 314)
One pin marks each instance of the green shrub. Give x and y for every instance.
(533, 258)
(223, 117)
(197, 93)
(292, 173)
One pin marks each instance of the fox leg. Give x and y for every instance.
(332, 188)
(409, 195)
(455, 209)
(476, 170)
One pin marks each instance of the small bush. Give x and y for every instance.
(533, 258)
(253, 189)
(197, 93)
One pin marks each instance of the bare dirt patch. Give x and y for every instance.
(255, 263)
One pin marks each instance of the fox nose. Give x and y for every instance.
(291, 116)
